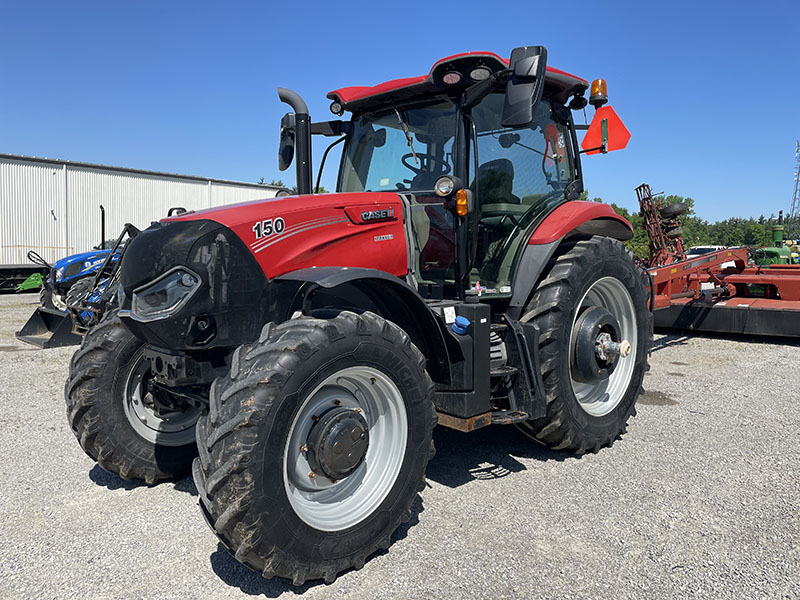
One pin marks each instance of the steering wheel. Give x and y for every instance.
(424, 159)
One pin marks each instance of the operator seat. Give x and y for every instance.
(496, 182)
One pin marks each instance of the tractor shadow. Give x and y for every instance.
(112, 481)
(671, 337)
(489, 453)
(668, 340)
(250, 582)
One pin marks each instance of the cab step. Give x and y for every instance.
(505, 371)
(507, 417)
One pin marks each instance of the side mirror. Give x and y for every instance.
(379, 139)
(286, 149)
(525, 86)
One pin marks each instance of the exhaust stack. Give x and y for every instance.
(302, 124)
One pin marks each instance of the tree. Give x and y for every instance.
(279, 183)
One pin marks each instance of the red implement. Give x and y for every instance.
(699, 294)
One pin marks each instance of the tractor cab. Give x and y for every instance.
(520, 172)
(480, 150)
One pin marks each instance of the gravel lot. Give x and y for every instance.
(701, 498)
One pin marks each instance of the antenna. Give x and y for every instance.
(793, 222)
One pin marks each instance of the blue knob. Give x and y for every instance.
(460, 325)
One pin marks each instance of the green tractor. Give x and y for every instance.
(780, 253)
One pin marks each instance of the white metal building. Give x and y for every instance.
(53, 206)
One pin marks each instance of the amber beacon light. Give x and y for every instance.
(598, 94)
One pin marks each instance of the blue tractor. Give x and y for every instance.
(74, 294)
(67, 272)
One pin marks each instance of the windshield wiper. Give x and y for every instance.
(408, 134)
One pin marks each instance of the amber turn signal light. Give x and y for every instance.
(462, 202)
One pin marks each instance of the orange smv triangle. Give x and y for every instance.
(618, 134)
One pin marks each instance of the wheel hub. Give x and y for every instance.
(597, 345)
(337, 443)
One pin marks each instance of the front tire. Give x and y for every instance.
(51, 300)
(114, 419)
(589, 410)
(315, 445)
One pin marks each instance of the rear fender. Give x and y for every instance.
(570, 218)
(379, 292)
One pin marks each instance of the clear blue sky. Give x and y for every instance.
(709, 90)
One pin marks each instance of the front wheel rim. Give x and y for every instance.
(334, 506)
(599, 399)
(169, 429)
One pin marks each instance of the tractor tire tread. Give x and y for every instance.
(551, 302)
(222, 471)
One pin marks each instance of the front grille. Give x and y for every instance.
(73, 269)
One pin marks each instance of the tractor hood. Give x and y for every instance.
(322, 230)
(78, 265)
(204, 278)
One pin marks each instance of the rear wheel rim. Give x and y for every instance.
(335, 506)
(601, 398)
(165, 429)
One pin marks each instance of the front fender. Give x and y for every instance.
(393, 299)
(591, 218)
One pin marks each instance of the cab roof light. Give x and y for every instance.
(451, 77)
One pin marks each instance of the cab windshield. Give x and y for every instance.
(521, 174)
(406, 148)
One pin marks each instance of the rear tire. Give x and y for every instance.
(254, 472)
(78, 291)
(584, 416)
(109, 416)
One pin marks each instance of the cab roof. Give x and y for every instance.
(559, 85)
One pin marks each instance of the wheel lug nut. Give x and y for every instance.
(312, 475)
(303, 448)
(358, 410)
(338, 402)
(314, 418)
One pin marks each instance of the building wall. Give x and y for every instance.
(53, 207)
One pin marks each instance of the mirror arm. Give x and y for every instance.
(478, 91)
(331, 128)
(322, 162)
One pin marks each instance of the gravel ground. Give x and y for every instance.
(701, 498)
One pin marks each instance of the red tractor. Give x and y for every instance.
(296, 353)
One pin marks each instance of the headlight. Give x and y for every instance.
(165, 295)
(444, 186)
(59, 274)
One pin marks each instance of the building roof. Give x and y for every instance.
(87, 165)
